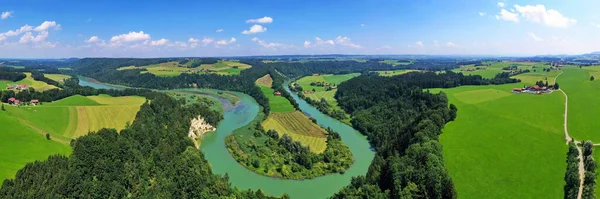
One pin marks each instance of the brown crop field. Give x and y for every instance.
(265, 81)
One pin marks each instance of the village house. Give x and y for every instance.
(277, 93)
(22, 87)
(34, 101)
(11, 100)
(10, 87)
(316, 74)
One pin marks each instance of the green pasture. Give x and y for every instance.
(277, 103)
(505, 145)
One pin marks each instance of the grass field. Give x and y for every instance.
(77, 115)
(505, 145)
(299, 127)
(20, 144)
(496, 67)
(277, 103)
(584, 106)
(321, 92)
(174, 68)
(266, 81)
(57, 77)
(37, 85)
(389, 73)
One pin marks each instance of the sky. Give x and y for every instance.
(182, 28)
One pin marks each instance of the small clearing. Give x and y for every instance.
(265, 81)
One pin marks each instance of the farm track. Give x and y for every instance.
(569, 138)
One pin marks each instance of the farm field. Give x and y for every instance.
(299, 127)
(174, 68)
(77, 115)
(321, 92)
(57, 77)
(496, 67)
(498, 143)
(37, 85)
(277, 103)
(20, 144)
(584, 106)
(389, 73)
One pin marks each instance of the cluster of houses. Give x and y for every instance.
(533, 89)
(17, 102)
(474, 69)
(17, 87)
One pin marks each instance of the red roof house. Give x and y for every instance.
(35, 101)
(277, 93)
(536, 87)
(16, 102)
(12, 99)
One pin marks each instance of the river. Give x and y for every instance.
(213, 147)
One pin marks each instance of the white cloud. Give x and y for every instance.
(501, 4)
(255, 29)
(482, 14)
(220, 30)
(160, 42)
(16, 32)
(47, 25)
(345, 41)
(260, 20)
(451, 44)
(318, 42)
(29, 38)
(307, 44)
(595, 24)
(507, 16)
(419, 43)
(6, 15)
(207, 40)
(363, 25)
(534, 37)
(269, 44)
(539, 14)
(193, 40)
(93, 39)
(225, 42)
(130, 37)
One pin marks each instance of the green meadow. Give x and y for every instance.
(20, 144)
(169, 69)
(321, 92)
(496, 68)
(37, 85)
(23, 140)
(277, 103)
(505, 145)
(584, 106)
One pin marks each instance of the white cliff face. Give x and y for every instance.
(198, 128)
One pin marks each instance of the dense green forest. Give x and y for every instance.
(152, 158)
(12, 76)
(403, 123)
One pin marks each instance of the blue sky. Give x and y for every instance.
(55, 29)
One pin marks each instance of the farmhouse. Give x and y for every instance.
(11, 100)
(316, 74)
(22, 87)
(532, 89)
(34, 101)
(277, 93)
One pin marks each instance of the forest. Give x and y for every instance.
(403, 123)
(12, 76)
(145, 160)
